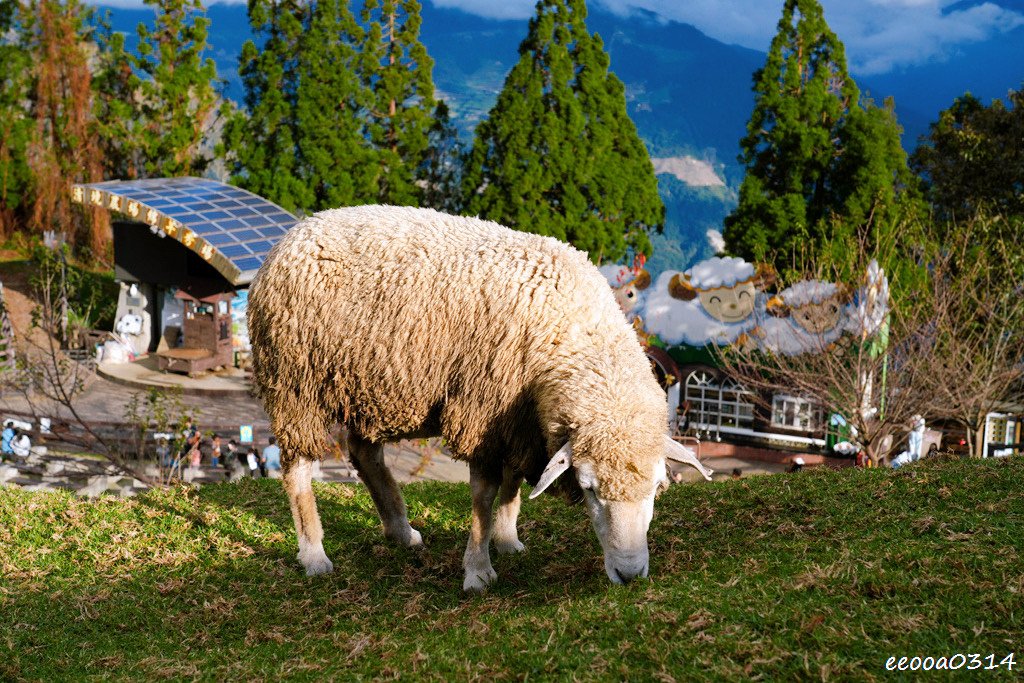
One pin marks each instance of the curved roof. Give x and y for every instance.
(229, 227)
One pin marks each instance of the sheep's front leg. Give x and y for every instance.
(506, 538)
(477, 560)
(296, 473)
(368, 457)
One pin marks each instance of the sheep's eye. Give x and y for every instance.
(630, 295)
(835, 309)
(715, 300)
(744, 294)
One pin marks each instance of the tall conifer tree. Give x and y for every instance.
(260, 143)
(178, 97)
(116, 90)
(63, 148)
(397, 74)
(338, 165)
(812, 153)
(558, 154)
(15, 123)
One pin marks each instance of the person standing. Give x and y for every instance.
(8, 436)
(252, 458)
(271, 456)
(215, 450)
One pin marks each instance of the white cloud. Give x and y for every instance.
(879, 35)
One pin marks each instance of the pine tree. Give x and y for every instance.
(178, 97)
(338, 165)
(15, 123)
(116, 108)
(63, 148)
(558, 154)
(260, 143)
(815, 159)
(441, 171)
(396, 71)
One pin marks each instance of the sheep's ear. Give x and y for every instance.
(680, 453)
(765, 275)
(642, 280)
(679, 287)
(559, 463)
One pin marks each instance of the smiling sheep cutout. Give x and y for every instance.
(806, 317)
(717, 301)
(811, 316)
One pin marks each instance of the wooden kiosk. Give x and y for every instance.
(206, 336)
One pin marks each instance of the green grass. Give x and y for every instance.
(820, 574)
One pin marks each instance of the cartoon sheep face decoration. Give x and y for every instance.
(714, 302)
(816, 306)
(808, 316)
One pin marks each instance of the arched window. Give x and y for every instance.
(715, 403)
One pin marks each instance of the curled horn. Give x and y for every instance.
(642, 279)
(680, 453)
(777, 307)
(679, 287)
(559, 463)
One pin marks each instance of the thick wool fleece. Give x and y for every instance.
(404, 322)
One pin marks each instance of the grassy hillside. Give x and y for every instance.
(820, 574)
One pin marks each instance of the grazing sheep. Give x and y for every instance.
(401, 322)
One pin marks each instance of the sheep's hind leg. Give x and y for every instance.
(477, 560)
(506, 538)
(297, 475)
(368, 457)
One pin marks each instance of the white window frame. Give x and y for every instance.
(715, 404)
(806, 415)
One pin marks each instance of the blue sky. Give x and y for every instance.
(879, 35)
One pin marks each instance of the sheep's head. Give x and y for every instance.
(729, 303)
(620, 471)
(816, 306)
(627, 284)
(628, 295)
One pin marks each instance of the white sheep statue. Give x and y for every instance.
(408, 323)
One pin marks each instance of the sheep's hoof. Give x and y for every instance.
(317, 565)
(477, 580)
(505, 547)
(407, 537)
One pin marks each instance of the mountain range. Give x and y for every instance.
(689, 95)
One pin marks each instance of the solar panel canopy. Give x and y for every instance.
(229, 227)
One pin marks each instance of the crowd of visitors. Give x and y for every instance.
(193, 450)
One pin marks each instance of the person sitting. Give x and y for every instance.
(21, 445)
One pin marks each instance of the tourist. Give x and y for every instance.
(272, 456)
(798, 464)
(737, 473)
(21, 445)
(195, 455)
(215, 450)
(163, 452)
(8, 436)
(252, 458)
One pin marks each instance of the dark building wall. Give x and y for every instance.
(142, 256)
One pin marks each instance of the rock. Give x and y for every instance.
(53, 468)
